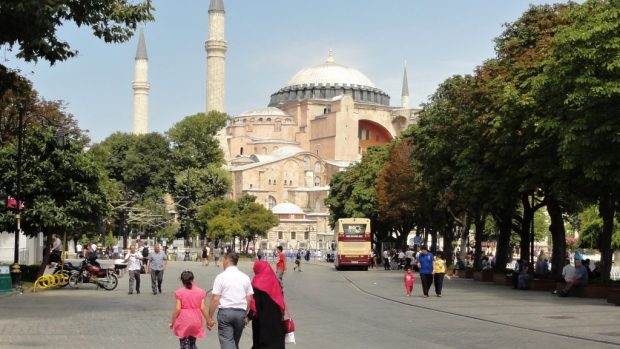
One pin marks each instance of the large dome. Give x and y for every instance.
(327, 81)
(330, 73)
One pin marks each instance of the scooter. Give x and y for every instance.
(91, 272)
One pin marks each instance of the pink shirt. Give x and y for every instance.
(190, 319)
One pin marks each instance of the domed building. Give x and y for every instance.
(285, 154)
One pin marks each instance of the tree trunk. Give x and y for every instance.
(479, 223)
(558, 236)
(504, 222)
(433, 240)
(464, 236)
(525, 233)
(606, 209)
(448, 238)
(46, 253)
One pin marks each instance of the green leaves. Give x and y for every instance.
(32, 25)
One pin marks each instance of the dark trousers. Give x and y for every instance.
(438, 278)
(230, 324)
(427, 281)
(157, 276)
(386, 263)
(134, 276)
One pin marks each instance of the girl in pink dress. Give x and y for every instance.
(186, 322)
(409, 279)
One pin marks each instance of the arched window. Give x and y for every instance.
(307, 163)
(317, 167)
(260, 119)
(241, 151)
(271, 202)
(317, 181)
(264, 150)
(268, 119)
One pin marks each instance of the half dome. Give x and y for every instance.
(269, 111)
(286, 208)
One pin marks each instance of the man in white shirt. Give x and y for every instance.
(79, 249)
(134, 264)
(568, 272)
(231, 294)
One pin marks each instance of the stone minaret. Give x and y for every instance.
(405, 94)
(141, 88)
(216, 48)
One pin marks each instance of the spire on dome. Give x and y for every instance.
(141, 51)
(330, 57)
(216, 6)
(405, 83)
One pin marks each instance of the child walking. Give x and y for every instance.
(409, 279)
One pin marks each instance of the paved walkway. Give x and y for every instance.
(351, 309)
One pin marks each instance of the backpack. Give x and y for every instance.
(145, 252)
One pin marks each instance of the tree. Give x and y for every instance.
(32, 27)
(194, 143)
(396, 191)
(352, 192)
(256, 220)
(581, 84)
(62, 187)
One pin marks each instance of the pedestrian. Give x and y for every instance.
(439, 272)
(425, 263)
(231, 297)
(116, 251)
(281, 266)
(79, 250)
(134, 264)
(56, 252)
(259, 254)
(156, 265)
(186, 322)
(298, 261)
(205, 255)
(145, 250)
(409, 279)
(307, 256)
(217, 252)
(386, 259)
(267, 308)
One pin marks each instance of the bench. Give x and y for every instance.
(465, 273)
(484, 276)
(588, 291)
(542, 285)
(613, 296)
(502, 279)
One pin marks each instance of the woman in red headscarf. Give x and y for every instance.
(267, 308)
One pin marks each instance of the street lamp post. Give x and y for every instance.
(59, 137)
(15, 269)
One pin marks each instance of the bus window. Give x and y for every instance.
(354, 229)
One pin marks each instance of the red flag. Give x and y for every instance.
(12, 203)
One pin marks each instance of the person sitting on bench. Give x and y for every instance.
(580, 278)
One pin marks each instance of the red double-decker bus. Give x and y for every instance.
(353, 243)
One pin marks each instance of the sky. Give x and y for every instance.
(268, 42)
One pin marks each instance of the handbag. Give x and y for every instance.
(142, 269)
(289, 328)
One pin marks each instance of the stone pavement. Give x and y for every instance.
(351, 309)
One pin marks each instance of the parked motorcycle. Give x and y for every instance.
(91, 272)
(66, 269)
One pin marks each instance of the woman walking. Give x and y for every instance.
(186, 322)
(439, 271)
(267, 309)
